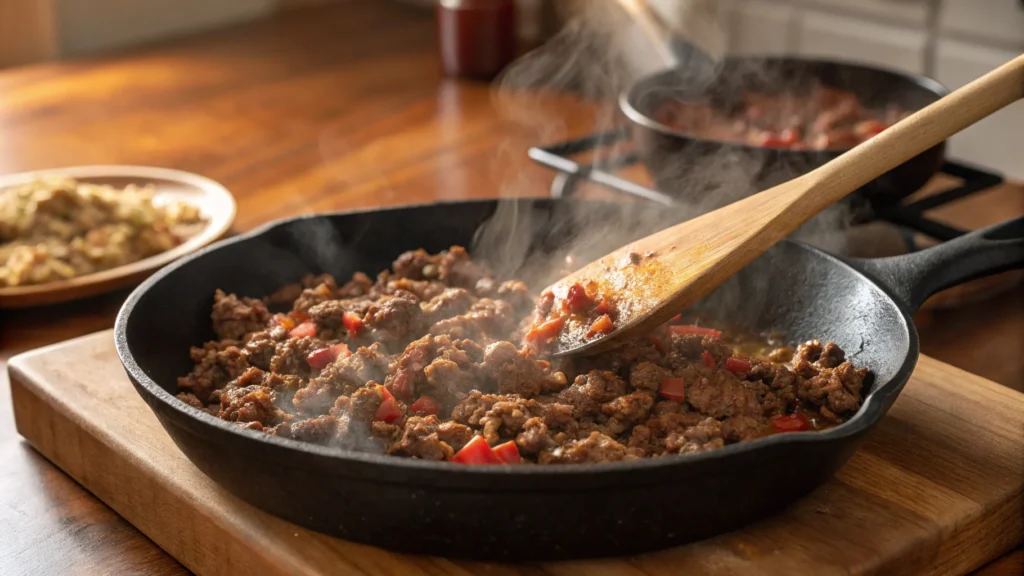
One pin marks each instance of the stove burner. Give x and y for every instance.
(908, 216)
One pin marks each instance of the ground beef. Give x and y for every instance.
(342, 377)
(250, 404)
(318, 430)
(216, 364)
(233, 318)
(290, 355)
(431, 439)
(515, 373)
(396, 319)
(596, 447)
(589, 391)
(440, 358)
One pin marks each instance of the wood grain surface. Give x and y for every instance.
(936, 489)
(319, 108)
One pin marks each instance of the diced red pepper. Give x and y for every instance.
(676, 318)
(353, 323)
(508, 453)
(319, 359)
(577, 299)
(477, 451)
(709, 361)
(673, 389)
(790, 136)
(699, 330)
(284, 321)
(389, 410)
(425, 406)
(769, 140)
(603, 307)
(602, 325)
(546, 331)
(303, 330)
(868, 128)
(737, 365)
(791, 423)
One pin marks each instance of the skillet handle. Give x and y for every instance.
(916, 276)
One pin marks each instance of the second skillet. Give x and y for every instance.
(536, 512)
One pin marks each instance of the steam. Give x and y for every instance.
(598, 55)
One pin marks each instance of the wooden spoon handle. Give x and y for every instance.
(913, 135)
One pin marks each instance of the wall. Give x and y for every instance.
(91, 25)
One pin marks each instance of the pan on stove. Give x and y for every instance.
(678, 160)
(536, 512)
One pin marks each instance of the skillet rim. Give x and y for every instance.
(633, 114)
(870, 413)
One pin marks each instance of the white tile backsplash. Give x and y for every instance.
(987, 21)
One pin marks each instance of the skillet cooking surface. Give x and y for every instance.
(527, 512)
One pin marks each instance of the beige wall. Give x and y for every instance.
(90, 25)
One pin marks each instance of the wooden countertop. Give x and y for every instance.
(317, 109)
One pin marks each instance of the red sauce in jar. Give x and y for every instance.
(477, 38)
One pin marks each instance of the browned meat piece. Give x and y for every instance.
(781, 355)
(685, 347)
(261, 347)
(505, 416)
(620, 359)
(216, 364)
(853, 378)
(625, 411)
(706, 435)
(641, 438)
(451, 302)
(664, 424)
(290, 355)
(454, 434)
(809, 351)
(596, 447)
(804, 368)
(396, 319)
(515, 373)
(741, 428)
(534, 436)
(311, 297)
(647, 376)
(456, 269)
(328, 316)
(388, 285)
(342, 377)
(358, 286)
(590, 390)
(485, 317)
(250, 404)
(430, 439)
(416, 265)
(831, 356)
(721, 395)
(505, 419)
(191, 400)
(515, 293)
(252, 426)
(233, 318)
(355, 415)
(447, 382)
(318, 430)
(287, 294)
(826, 390)
(720, 352)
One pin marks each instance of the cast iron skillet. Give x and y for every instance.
(535, 512)
(679, 160)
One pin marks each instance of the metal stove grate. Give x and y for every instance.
(909, 217)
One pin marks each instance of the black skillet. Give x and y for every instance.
(536, 512)
(680, 161)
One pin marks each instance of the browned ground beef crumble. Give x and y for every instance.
(434, 362)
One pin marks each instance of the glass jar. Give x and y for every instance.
(476, 38)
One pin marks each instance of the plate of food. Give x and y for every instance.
(73, 232)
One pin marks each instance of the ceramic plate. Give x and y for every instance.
(213, 200)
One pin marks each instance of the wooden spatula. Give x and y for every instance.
(654, 278)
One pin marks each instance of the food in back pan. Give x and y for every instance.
(436, 360)
(820, 118)
(58, 228)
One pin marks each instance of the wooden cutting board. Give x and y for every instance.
(938, 488)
